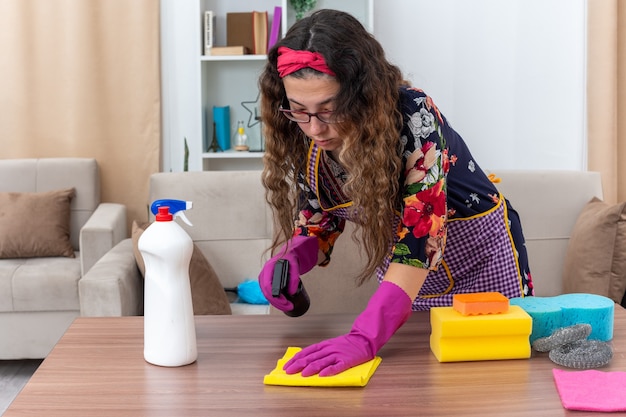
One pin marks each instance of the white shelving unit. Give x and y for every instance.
(193, 83)
(232, 160)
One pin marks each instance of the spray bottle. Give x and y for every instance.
(169, 328)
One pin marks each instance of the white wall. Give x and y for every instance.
(508, 74)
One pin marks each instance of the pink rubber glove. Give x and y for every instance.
(302, 254)
(386, 311)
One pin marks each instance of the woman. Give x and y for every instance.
(348, 139)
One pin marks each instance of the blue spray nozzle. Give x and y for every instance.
(174, 205)
(176, 208)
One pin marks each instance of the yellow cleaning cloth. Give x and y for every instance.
(358, 376)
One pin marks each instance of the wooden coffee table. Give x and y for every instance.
(97, 369)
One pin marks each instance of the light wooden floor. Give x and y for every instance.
(13, 376)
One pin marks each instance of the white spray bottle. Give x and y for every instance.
(169, 328)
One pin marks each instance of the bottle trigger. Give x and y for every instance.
(182, 216)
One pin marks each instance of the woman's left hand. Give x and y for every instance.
(331, 356)
(386, 311)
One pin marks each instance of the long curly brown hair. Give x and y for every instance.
(367, 104)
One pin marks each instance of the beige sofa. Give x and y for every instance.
(233, 227)
(39, 295)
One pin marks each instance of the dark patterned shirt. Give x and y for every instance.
(440, 182)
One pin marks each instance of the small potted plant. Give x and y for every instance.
(301, 7)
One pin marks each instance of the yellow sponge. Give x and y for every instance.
(456, 337)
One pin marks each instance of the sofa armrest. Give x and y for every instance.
(104, 229)
(114, 285)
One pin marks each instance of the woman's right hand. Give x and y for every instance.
(301, 252)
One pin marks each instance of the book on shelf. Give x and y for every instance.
(239, 30)
(209, 31)
(249, 29)
(275, 30)
(260, 32)
(229, 50)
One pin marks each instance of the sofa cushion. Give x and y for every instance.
(595, 261)
(35, 224)
(7, 270)
(207, 293)
(43, 284)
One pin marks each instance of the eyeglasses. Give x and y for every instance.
(305, 117)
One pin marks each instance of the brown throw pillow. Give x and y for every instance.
(595, 261)
(207, 293)
(35, 225)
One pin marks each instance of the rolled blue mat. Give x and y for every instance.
(552, 313)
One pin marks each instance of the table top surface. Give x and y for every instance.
(97, 369)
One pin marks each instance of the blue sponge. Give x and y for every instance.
(553, 313)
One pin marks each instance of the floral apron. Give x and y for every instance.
(479, 254)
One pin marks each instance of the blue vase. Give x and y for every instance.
(221, 117)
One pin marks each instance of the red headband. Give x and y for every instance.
(290, 61)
